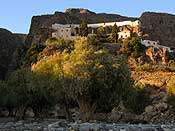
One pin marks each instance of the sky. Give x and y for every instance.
(15, 15)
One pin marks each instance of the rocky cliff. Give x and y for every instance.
(159, 26)
(11, 50)
(40, 25)
(155, 26)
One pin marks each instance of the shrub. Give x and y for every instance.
(33, 52)
(132, 47)
(149, 67)
(171, 93)
(62, 44)
(31, 90)
(136, 99)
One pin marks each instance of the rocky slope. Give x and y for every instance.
(159, 26)
(11, 50)
(157, 78)
(40, 25)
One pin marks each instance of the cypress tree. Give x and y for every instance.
(114, 33)
(84, 28)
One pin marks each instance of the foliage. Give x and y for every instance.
(149, 67)
(101, 31)
(62, 44)
(136, 99)
(7, 96)
(97, 40)
(33, 52)
(171, 93)
(31, 90)
(85, 74)
(132, 47)
(84, 28)
(114, 33)
(93, 40)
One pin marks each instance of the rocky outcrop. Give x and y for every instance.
(158, 26)
(154, 26)
(11, 50)
(157, 55)
(157, 78)
(40, 25)
(22, 37)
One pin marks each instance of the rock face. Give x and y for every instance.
(11, 49)
(158, 78)
(154, 26)
(157, 55)
(159, 26)
(40, 25)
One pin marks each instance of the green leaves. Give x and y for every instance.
(114, 33)
(84, 28)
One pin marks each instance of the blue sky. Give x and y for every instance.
(15, 15)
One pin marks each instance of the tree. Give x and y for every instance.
(8, 98)
(114, 33)
(101, 31)
(33, 52)
(84, 28)
(88, 75)
(132, 47)
(31, 90)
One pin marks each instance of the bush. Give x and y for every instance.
(31, 90)
(132, 47)
(149, 67)
(33, 52)
(62, 44)
(136, 100)
(171, 93)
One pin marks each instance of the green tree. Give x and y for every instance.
(33, 52)
(171, 93)
(132, 47)
(114, 33)
(136, 99)
(84, 28)
(101, 31)
(8, 98)
(88, 75)
(31, 90)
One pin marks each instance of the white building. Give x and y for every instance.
(70, 31)
(124, 34)
(64, 31)
(123, 23)
(156, 44)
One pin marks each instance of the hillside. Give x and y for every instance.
(155, 26)
(40, 25)
(11, 48)
(159, 26)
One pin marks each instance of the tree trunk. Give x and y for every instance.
(86, 110)
(10, 110)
